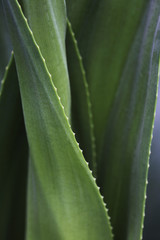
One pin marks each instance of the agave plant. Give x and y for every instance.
(77, 107)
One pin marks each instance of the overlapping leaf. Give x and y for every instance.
(119, 43)
(63, 199)
(82, 117)
(129, 130)
(104, 34)
(47, 20)
(13, 159)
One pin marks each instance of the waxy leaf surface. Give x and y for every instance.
(119, 44)
(63, 199)
(47, 20)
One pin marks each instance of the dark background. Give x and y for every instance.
(152, 219)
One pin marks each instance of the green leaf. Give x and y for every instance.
(47, 20)
(63, 199)
(82, 117)
(13, 158)
(97, 26)
(119, 44)
(129, 130)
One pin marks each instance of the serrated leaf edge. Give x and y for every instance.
(66, 118)
(150, 143)
(89, 105)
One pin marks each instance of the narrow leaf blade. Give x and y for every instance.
(82, 117)
(63, 199)
(49, 32)
(119, 43)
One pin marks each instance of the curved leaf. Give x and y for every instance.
(105, 35)
(119, 44)
(63, 199)
(128, 134)
(47, 20)
(82, 117)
